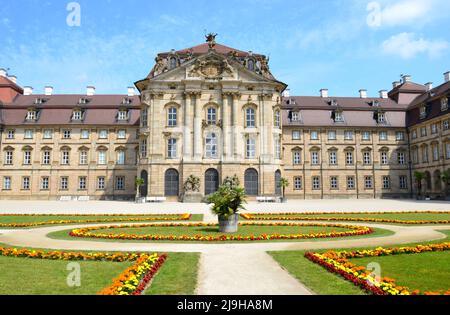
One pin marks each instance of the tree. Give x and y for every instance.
(283, 184)
(419, 176)
(139, 182)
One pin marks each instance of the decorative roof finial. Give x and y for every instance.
(211, 40)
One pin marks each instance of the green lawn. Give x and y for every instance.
(98, 218)
(322, 282)
(213, 231)
(178, 275)
(411, 216)
(27, 276)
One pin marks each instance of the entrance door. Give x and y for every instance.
(144, 188)
(211, 181)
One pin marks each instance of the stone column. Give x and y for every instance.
(187, 136)
(226, 127)
(197, 128)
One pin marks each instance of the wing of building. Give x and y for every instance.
(213, 112)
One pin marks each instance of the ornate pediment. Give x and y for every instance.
(212, 67)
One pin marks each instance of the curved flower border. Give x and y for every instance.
(86, 232)
(307, 217)
(136, 218)
(337, 262)
(133, 281)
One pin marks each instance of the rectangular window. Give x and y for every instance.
(27, 157)
(399, 136)
(383, 135)
(381, 118)
(7, 183)
(423, 111)
(121, 134)
(294, 116)
(143, 148)
(64, 183)
(28, 134)
(368, 182)
(250, 148)
(102, 157)
(423, 131)
(172, 117)
(386, 182)
(278, 149)
(77, 115)
(122, 115)
(45, 183)
(314, 158)
(296, 135)
(121, 156)
(350, 182)
(447, 149)
(250, 118)
(349, 157)
(46, 157)
(314, 135)
(103, 134)
(424, 154)
(415, 156)
(445, 125)
(401, 158)
(297, 183)
(84, 134)
(297, 156)
(414, 134)
(333, 182)
(366, 135)
(316, 183)
(101, 183)
(403, 182)
(48, 134)
(31, 115)
(83, 157)
(332, 135)
(367, 158)
(333, 157)
(384, 158)
(434, 129)
(9, 157)
(67, 134)
(120, 183)
(338, 116)
(144, 117)
(435, 149)
(348, 135)
(10, 134)
(171, 148)
(82, 183)
(25, 183)
(65, 157)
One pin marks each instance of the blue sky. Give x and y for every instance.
(342, 45)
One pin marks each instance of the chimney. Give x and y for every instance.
(447, 77)
(324, 93)
(396, 84)
(363, 93)
(90, 90)
(406, 78)
(13, 78)
(383, 94)
(286, 93)
(27, 90)
(3, 73)
(131, 91)
(48, 90)
(429, 86)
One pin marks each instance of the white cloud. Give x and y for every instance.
(407, 46)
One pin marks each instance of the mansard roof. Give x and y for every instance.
(356, 103)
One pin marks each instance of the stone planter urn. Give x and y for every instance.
(228, 224)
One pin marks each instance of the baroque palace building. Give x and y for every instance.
(213, 111)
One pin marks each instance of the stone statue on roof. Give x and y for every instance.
(211, 40)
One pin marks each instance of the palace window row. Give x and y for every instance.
(65, 134)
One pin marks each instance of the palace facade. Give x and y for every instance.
(213, 111)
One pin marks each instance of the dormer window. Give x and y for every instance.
(444, 103)
(31, 115)
(333, 103)
(381, 118)
(375, 103)
(127, 101)
(77, 115)
(122, 115)
(338, 116)
(294, 116)
(83, 100)
(290, 101)
(423, 111)
(173, 63)
(40, 100)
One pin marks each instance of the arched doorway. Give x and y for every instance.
(171, 183)
(427, 178)
(437, 180)
(143, 190)
(251, 182)
(211, 181)
(277, 183)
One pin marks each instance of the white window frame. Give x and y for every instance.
(315, 160)
(83, 157)
(7, 183)
(250, 117)
(297, 157)
(350, 182)
(27, 157)
(250, 148)
(171, 148)
(332, 157)
(46, 157)
(45, 183)
(211, 145)
(172, 116)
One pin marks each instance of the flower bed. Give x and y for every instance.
(87, 232)
(292, 216)
(337, 262)
(132, 281)
(111, 218)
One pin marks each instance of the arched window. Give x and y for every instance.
(211, 145)
(172, 117)
(251, 182)
(173, 63)
(277, 119)
(250, 118)
(211, 116)
(171, 182)
(211, 181)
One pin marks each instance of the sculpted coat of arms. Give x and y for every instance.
(211, 68)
